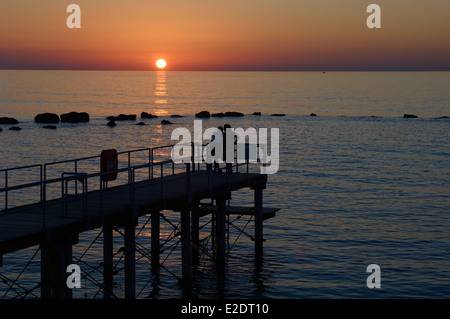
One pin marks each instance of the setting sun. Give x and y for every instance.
(161, 64)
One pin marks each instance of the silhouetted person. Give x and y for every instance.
(213, 151)
(229, 166)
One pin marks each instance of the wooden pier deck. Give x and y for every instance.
(22, 227)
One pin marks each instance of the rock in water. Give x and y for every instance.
(145, 115)
(234, 114)
(278, 114)
(141, 124)
(409, 116)
(47, 118)
(75, 117)
(313, 114)
(8, 120)
(164, 122)
(122, 117)
(176, 116)
(221, 114)
(203, 114)
(111, 123)
(14, 128)
(256, 113)
(51, 127)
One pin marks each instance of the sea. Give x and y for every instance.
(358, 184)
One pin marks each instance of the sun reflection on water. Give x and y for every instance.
(161, 92)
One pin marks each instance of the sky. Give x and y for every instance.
(279, 35)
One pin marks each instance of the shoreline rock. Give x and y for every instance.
(203, 114)
(122, 117)
(227, 114)
(111, 123)
(166, 122)
(145, 115)
(256, 113)
(278, 114)
(409, 116)
(75, 117)
(47, 118)
(51, 127)
(234, 114)
(14, 128)
(313, 114)
(8, 120)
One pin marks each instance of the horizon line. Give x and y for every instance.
(233, 70)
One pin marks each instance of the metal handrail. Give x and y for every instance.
(44, 182)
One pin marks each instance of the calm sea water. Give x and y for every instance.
(357, 184)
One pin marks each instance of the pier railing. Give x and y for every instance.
(76, 176)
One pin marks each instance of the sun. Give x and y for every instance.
(161, 64)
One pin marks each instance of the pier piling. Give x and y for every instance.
(258, 198)
(130, 260)
(155, 241)
(186, 250)
(195, 236)
(220, 231)
(55, 257)
(108, 258)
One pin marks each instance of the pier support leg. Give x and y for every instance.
(195, 234)
(155, 241)
(130, 260)
(55, 257)
(186, 252)
(108, 259)
(258, 221)
(220, 231)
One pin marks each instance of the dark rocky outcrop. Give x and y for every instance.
(165, 122)
(111, 123)
(122, 117)
(256, 113)
(230, 114)
(1, 129)
(313, 114)
(176, 116)
(141, 124)
(51, 127)
(145, 115)
(409, 116)
(75, 117)
(14, 128)
(234, 114)
(8, 120)
(278, 114)
(47, 118)
(203, 114)
(443, 117)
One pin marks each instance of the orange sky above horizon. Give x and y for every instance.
(225, 35)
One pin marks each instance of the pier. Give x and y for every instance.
(116, 196)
